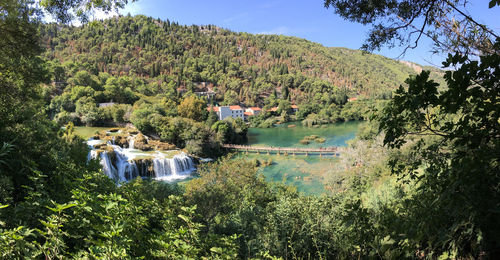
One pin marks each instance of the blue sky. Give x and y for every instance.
(302, 18)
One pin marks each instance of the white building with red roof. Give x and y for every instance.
(224, 112)
(253, 111)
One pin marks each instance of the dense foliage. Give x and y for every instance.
(430, 192)
(457, 164)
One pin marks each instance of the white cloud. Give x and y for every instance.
(277, 30)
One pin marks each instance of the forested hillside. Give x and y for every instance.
(162, 56)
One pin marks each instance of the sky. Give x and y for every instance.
(307, 19)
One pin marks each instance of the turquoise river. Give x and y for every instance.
(307, 173)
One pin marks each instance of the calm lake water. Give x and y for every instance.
(307, 173)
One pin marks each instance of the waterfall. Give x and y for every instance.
(174, 168)
(126, 166)
(107, 165)
(131, 142)
(123, 164)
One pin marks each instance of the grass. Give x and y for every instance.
(86, 131)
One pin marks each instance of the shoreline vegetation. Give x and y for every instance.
(419, 180)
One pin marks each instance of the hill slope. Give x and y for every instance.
(162, 56)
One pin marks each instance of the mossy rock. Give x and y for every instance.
(132, 131)
(106, 138)
(267, 162)
(143, 146)
(103, 136)
(109, 149)
(141, 143)
(161, 145)
(304, 141)
(100, 146)
(121, 140)
(320, 140)
(311, 137)
(140, 138)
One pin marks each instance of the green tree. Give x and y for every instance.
(454, 140)
(212, 118)
(86, 79)
(193, 107)
(404, 22)
(284, 106)
(88, 111)
(230, 98)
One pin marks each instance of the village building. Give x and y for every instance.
(253, 111)
(293, 109)
(224, 112)
(201, 89)
(246, 115)
(204, 89)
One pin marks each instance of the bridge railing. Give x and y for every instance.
(272, 148)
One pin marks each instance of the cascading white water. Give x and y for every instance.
(126, 167)
(107, 165)
(122, 166)
(131, 142)
(175, 168)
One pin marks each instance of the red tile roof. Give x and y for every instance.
(235, 108)
(256, 108)
(273, 109)
(248, 113)
(216, 109)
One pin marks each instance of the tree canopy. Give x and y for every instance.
(403, 22)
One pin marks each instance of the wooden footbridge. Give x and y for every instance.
(283, 150)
